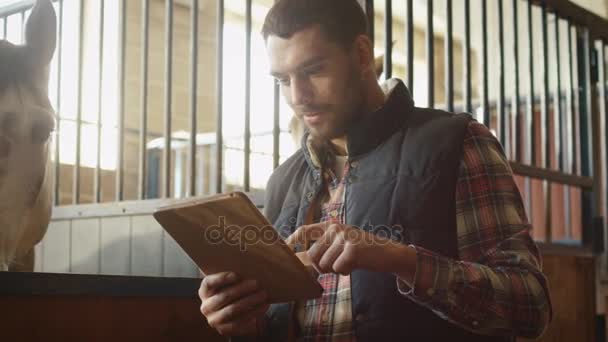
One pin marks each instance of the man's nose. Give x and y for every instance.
(301, 93)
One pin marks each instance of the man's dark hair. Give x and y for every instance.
(341, 20)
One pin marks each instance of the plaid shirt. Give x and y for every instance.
(495, 288)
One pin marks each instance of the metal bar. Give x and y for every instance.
(57, 194)
(449, 59)
(97, 183)
(586, 135)
(467, 74)
(516, 120)
(220, 95)
(530, 115)
(571, 153)
(388, 39)
(602, 128)
(369, 11)
(604, 114)
(23, 27)
(560, 115)
(502, 115)
(120, 153)
(544, 110)
(276, 130)
(19, 6)
(168, 94)
(143, 133)
(76, 186)
(4, 27)
(484, 62)
(585, 183)
(430, 55)
(410, 46)
(545, 122)
(247, 149)
(193, 96)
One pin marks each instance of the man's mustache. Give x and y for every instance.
(311, 109)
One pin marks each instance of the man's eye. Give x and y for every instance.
(313, 70)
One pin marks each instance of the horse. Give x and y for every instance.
(26, 123)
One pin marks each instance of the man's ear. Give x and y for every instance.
(41, 34)
(364, 54)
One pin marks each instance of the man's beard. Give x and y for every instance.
(343, 118)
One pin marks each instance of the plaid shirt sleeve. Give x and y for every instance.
(496, 287)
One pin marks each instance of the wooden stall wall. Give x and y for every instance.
(122, 245)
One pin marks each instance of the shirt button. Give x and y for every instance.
(360, 318)
(430, 292)
(475, 323)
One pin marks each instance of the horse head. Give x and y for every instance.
(26, 123)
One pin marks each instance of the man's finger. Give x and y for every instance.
(229, 295)
(213, 282)
(330, 254)
(305, 234)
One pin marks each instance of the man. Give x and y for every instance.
(422, 233)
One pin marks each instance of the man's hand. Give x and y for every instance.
(341, 249)
(232, 305)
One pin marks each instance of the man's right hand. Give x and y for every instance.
(232, 305)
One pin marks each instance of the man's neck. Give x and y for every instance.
(375, 100)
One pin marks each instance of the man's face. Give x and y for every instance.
(319, 79)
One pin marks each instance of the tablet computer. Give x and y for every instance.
(227, 232)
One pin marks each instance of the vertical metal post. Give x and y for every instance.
(449, 61)
(530, 115)
(484, 62)
(560, 115)
(571, 152)
(502, 115)
(168, 93)
(516, 121)
(193, 96)
(4, 27)
(247, 149)
(430, 54)
(220, 96)
(97, 184)
(602, 129)
(143, 133)
(544, 110)
(586, 131)
(76, 186)
(388, 39)
(121, 103)
(57, 196)
(467, 74)
(410, 46)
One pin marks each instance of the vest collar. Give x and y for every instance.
(370, 130)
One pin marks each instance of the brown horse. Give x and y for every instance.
(26, 123)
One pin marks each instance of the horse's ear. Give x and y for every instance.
(41, 34)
